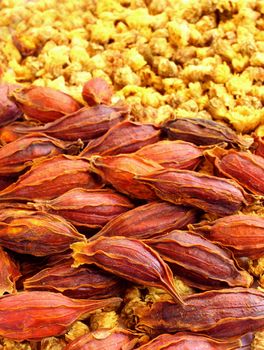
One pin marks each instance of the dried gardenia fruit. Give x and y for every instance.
(120, 171)
(8, 109)
(124, 137)
(222, 314)
(14, 131)
(128, 258)
(50, 178)
(173, 154)
(259, 146)
(35, 315)
(36, 233)
(244, 234)
(202, 132)
(43, 103)
(9, 273)
(194, 253)
(149, 220)
(212, 194)
(97, 91)
(188, 341)
(90, 208)
(84, 282)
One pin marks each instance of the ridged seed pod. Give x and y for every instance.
(9, 273)
(8, 109)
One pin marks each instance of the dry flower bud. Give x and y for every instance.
(35, 315)
(90, 208)
(8, 109)
(149, 220)
(50, 178)
(9, 273)
(120, 172)
(43, 103)
(173, 154)
(124, 137)
(97, 91)
(212, 194)
(128, 258)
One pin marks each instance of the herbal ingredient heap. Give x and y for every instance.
(117, 234)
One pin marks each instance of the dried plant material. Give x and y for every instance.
(244, 167)
(244, 234)
(202, 132)
(188, 341)
(222, 314)
(77, 329)
(9, 273)
(89, 208)
(85, 282)
(35, 315)
(44, 104)
(20, 154)
(128, 258)
(124, 137)
(8, 109)
(173, 154)
(104, 319)
(13, 131)
(259, 146)
(258, 341)
(50, 178)
(197, 255)
(97, 91)
(116, 339)
(212, 194)
(120, 171)
(36, 233)
(149, 220)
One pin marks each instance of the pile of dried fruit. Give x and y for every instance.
(148, 234)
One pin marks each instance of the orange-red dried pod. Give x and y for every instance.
(194, 253)
(20, 154)
(222, 314)
(90, 208)
(50, 178)
(173, 154)
(36, 233)
(9, 273)
(14, 131)
(212, 194)
(85, 124)
(124, 137)
(128, 258)
(149, 220)
(86, 282)
(97, 91)
(259, 146)
(244, 234)
(8, 109)
(120, 172)
(188, 341)
(114, 339)
(43, 103)
(244, 167)
(35, 315)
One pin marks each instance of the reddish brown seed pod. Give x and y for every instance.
(50, 178)
(128, 258)
(97, 91)
(89, 208)
(124, 137)
(173, 154)
(36, 233)
(259, 146)
(8, 109)
(14, 131)
(212, 194)
(188, 341)
(43, 103)
(244, 167)
(120, 172)
(84, 282)
(35, 315)
(149, 220)
(195, 254)
(9, 273)
(222, 314)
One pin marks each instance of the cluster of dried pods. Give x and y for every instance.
(90, 199)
